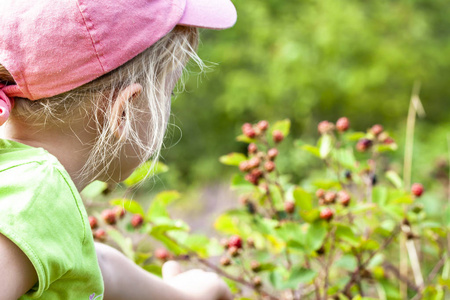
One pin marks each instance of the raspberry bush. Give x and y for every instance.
(354, 231)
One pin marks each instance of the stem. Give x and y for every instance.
(316, 285)
(329, 262)
(415, 265)
(389, 267)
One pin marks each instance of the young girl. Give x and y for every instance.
(85, 89)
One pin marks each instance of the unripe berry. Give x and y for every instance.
(233, 251)
(389, 141)
(272, 153)
(119, 211)
(289, 207)
(342, 124)
(235, 241)
(252, 148)
(109, 216)
(325, 127)
(263, 125)
(254, 162)
(344, 198)
(257, 281)
(320, 193)
(417, 189)
(225, 261)
(255, 266)
(330, 197)
(137, 220)
(224, 243)
(250, 242)
(162, 254)
(376, 129)
(269, 166)
(363, 145)
(244, 166)
(100, 235)
(93, 222)
(277, 136)
(326, 214)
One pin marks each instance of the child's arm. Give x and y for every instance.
(17, 274)
(125, 280)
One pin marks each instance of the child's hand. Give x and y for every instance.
(196, 284)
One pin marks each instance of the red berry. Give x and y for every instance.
(93, 222)
(252, 148)
(344, 198)
(388, 141)
(137, 220)
(251, 133)
(263, 125)
(225, 261)
(277, 136)
(255, 266)
(246, 126)
(269, 166)
(320, 193)
(235, 241)
(100, 235)
(233, 251)
(326, 214)
(325, 127)
(109, 216)
(119, 211)
(162, 254)
(256, 173)
(252, 178)
(330, 197)
(244, 166)
(272, 153)
(342, 124)
(376, 129)
(363, 145)
(254, 162)
(417, 189)
(257, 281)
(289, 207)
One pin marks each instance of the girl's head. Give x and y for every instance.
(108, 65)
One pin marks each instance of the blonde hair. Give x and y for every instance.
(155, 69)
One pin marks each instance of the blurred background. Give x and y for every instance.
(309, 60)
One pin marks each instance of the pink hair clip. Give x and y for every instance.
(6, 104)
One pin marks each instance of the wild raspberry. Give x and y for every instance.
(272, 153)
(252, 178)
(250, 242)
(363, 145)
(344, 198)
(326, 214)
(233, 251)
(251, 133)
(137, 220)
(289, 207)
(277, 136)
(254, 162)
(320, 193)
(342, 124)
(376, 129)
(255, 266)
(330, 197)
(225, 261)
(269, 166)
(257, 281)
(100, 235)
(252, 148)
(246, 126)
(256, 173)
(109, 216)
(93, 222)
(235, 241)
(162, 254)
(417, 189)
(119, 211)
(389, 141)
(244, 166)
(263, 125)
(325, 127)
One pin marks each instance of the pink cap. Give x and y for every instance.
(51, 47)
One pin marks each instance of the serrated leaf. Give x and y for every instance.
(311, 149)
(315, 235)
(300, 275)
(158, 207)
(233, 159)
(345, 233)
(129, 205)
(283, 126)
(395, 179)
(302, 198)
(143, 171)
(325, 145)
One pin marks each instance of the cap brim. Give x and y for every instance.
(213, 14)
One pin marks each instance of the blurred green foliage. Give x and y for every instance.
(309, 60)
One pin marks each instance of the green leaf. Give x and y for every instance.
(346, 234)
(354, 136)
(238, 182)
(94, 189)
(300, 275)
(325, 145)
(347, 262)
(379, 195)
(227, 224)
(199, 243)
(311, 149)
(143, 171)
(233, 159)
(245, 139)
(125, 243)
(129, 205)
(303, 199)
(380, 148)
(158, 207)
(346, 158)
(283, 126)
(154, 269)
(315, 235)
(395, 179)
(310, 215)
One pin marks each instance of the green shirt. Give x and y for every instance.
(42, 212)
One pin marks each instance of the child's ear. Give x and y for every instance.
(118, 115)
